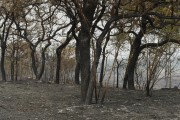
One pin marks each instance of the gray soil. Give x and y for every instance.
(30, 100)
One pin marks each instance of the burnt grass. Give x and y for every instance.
(31, 100)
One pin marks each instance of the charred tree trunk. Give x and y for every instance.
(134, 54)
(92, 82)
(16, 64)
(3, 72)
(77, 68)
(87, 30)
(102, 70)
(38, 74)
(117, 84)
(84, 36)
(117, 70)
(17, 67)
(12, 70)
(148, 89)
(43, 60)
(133, 57)
(125, 81)
(3, 38)
(58, 65)
(132, 64)
(58, 55)
(84, 60)
(34, 66)
(12, 62)
(103, 60)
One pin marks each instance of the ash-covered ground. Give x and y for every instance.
(30, 100)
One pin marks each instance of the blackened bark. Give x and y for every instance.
(135, 51)
(117, 70)
(103, 60)
(125, 81)
(77, 68)
(102, 70)
(3, 39)
(3, 72)
(38, 74)
(84, 61)
(58, 55)
(148, 89)
(17, 67)
(33, 58)
(84, 36)
(58, 65)
(12, 70)
(12, 62)
(132, 64)
(133, 57)
(134, 54)
(43, 60)
(92, 82)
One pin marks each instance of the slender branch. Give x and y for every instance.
(98, 19)
(148, 45)
(134, 33)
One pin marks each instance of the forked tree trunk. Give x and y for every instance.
(37, 73)
(98, 50)
(92, 82)
(86, 19)
(43, 62)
